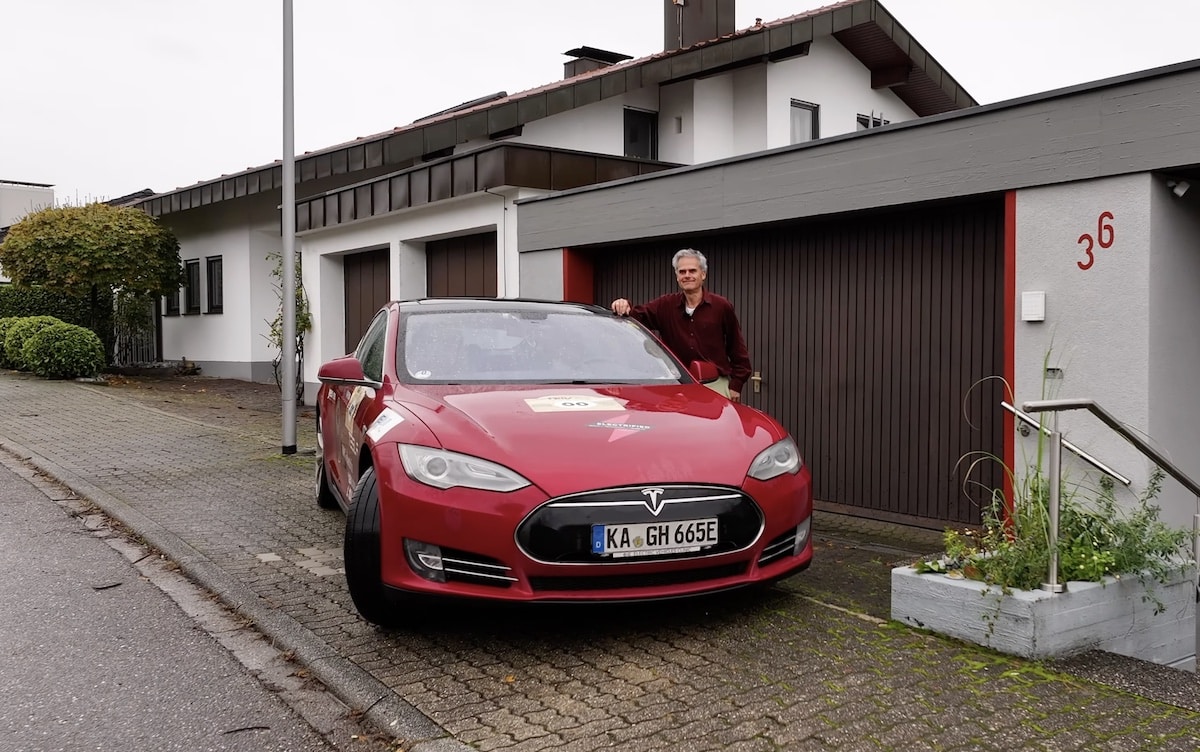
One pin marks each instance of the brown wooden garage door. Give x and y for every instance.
(367, 289)
(875, 336)
(461, 266)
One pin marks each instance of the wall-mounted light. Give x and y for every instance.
(1179, 187)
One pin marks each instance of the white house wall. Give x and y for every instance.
(1098, 328)
(233, 343)
(598, 127)
(18, 200)
(1174, 345)
(831, 77)
(676, 124)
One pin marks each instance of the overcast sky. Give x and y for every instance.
(107, 97)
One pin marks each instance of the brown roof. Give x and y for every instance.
(864, 27)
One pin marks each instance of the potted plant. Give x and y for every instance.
(1128, 576)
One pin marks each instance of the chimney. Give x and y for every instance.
(686, 22)
(589, 59)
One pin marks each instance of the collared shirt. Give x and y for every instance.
(711, 333)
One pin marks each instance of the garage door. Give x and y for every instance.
(876, 337)
(461, 266)
(367, 289)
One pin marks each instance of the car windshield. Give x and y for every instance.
(530, 346)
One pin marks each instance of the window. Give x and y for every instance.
(172, 302)
(215, 289)
(370, 349)
(866, 122)
(806, 120)
(191, 286)
(641, 134)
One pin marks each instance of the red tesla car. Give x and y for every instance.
(521, 450)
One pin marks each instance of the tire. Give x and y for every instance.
(326, 499)
(362, 554)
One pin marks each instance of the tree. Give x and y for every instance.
(95, 252)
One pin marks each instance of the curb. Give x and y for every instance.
(382, 708)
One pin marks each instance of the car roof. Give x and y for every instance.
(496, 304)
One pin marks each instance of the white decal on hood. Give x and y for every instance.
(384, 423)
(572, 402)
(620, 427)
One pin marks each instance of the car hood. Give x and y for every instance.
(571, 438)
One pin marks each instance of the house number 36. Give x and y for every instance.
(1104, 238)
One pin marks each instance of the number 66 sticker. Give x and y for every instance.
(1105, 234)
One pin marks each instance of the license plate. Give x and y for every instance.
(644, 539)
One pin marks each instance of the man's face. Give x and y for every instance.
(688, 274)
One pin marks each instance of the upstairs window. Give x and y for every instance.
(641, 133)
(806, 121)
(866, 122)
(191, 286)
(216, 287)
(172, 304)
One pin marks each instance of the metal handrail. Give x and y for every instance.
(1035, 423)
(1056, 441)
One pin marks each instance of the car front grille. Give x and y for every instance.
(560, 530)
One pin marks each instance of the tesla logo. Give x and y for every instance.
(654, 500)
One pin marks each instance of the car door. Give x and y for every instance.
(350, 401)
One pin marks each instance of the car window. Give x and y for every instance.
(529, 345)
(371, 347)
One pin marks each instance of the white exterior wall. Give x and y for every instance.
(1122, 331)
(675, 111)
(232, 343)
(18, 200)
(831, 77)
(598, 127)
(712, 109)
(1174, 345)
(749, 110)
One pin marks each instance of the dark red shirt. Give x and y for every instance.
(711, 333)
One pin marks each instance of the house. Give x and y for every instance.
(898, 285)
(430, 208)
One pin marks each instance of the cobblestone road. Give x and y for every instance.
(806, 665)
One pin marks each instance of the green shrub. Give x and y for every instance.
(42, 301)
(5, 323)
(21, 330)
(63, 351)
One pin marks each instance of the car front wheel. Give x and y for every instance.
(362, 554)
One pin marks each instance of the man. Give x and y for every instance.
(696, 324)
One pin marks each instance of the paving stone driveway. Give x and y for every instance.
(795, 667)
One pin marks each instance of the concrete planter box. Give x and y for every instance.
(1108, 616)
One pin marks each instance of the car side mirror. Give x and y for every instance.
(704, 372)
(344, 371)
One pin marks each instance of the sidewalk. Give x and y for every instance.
(811, 664)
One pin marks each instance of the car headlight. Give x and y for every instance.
(777, 459)
(442, 469)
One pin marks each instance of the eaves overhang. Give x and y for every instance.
(864, 27)
(495, 166)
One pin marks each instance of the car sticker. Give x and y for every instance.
(384, 423)
(620, 427)
(356, 397)
(572, 402)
